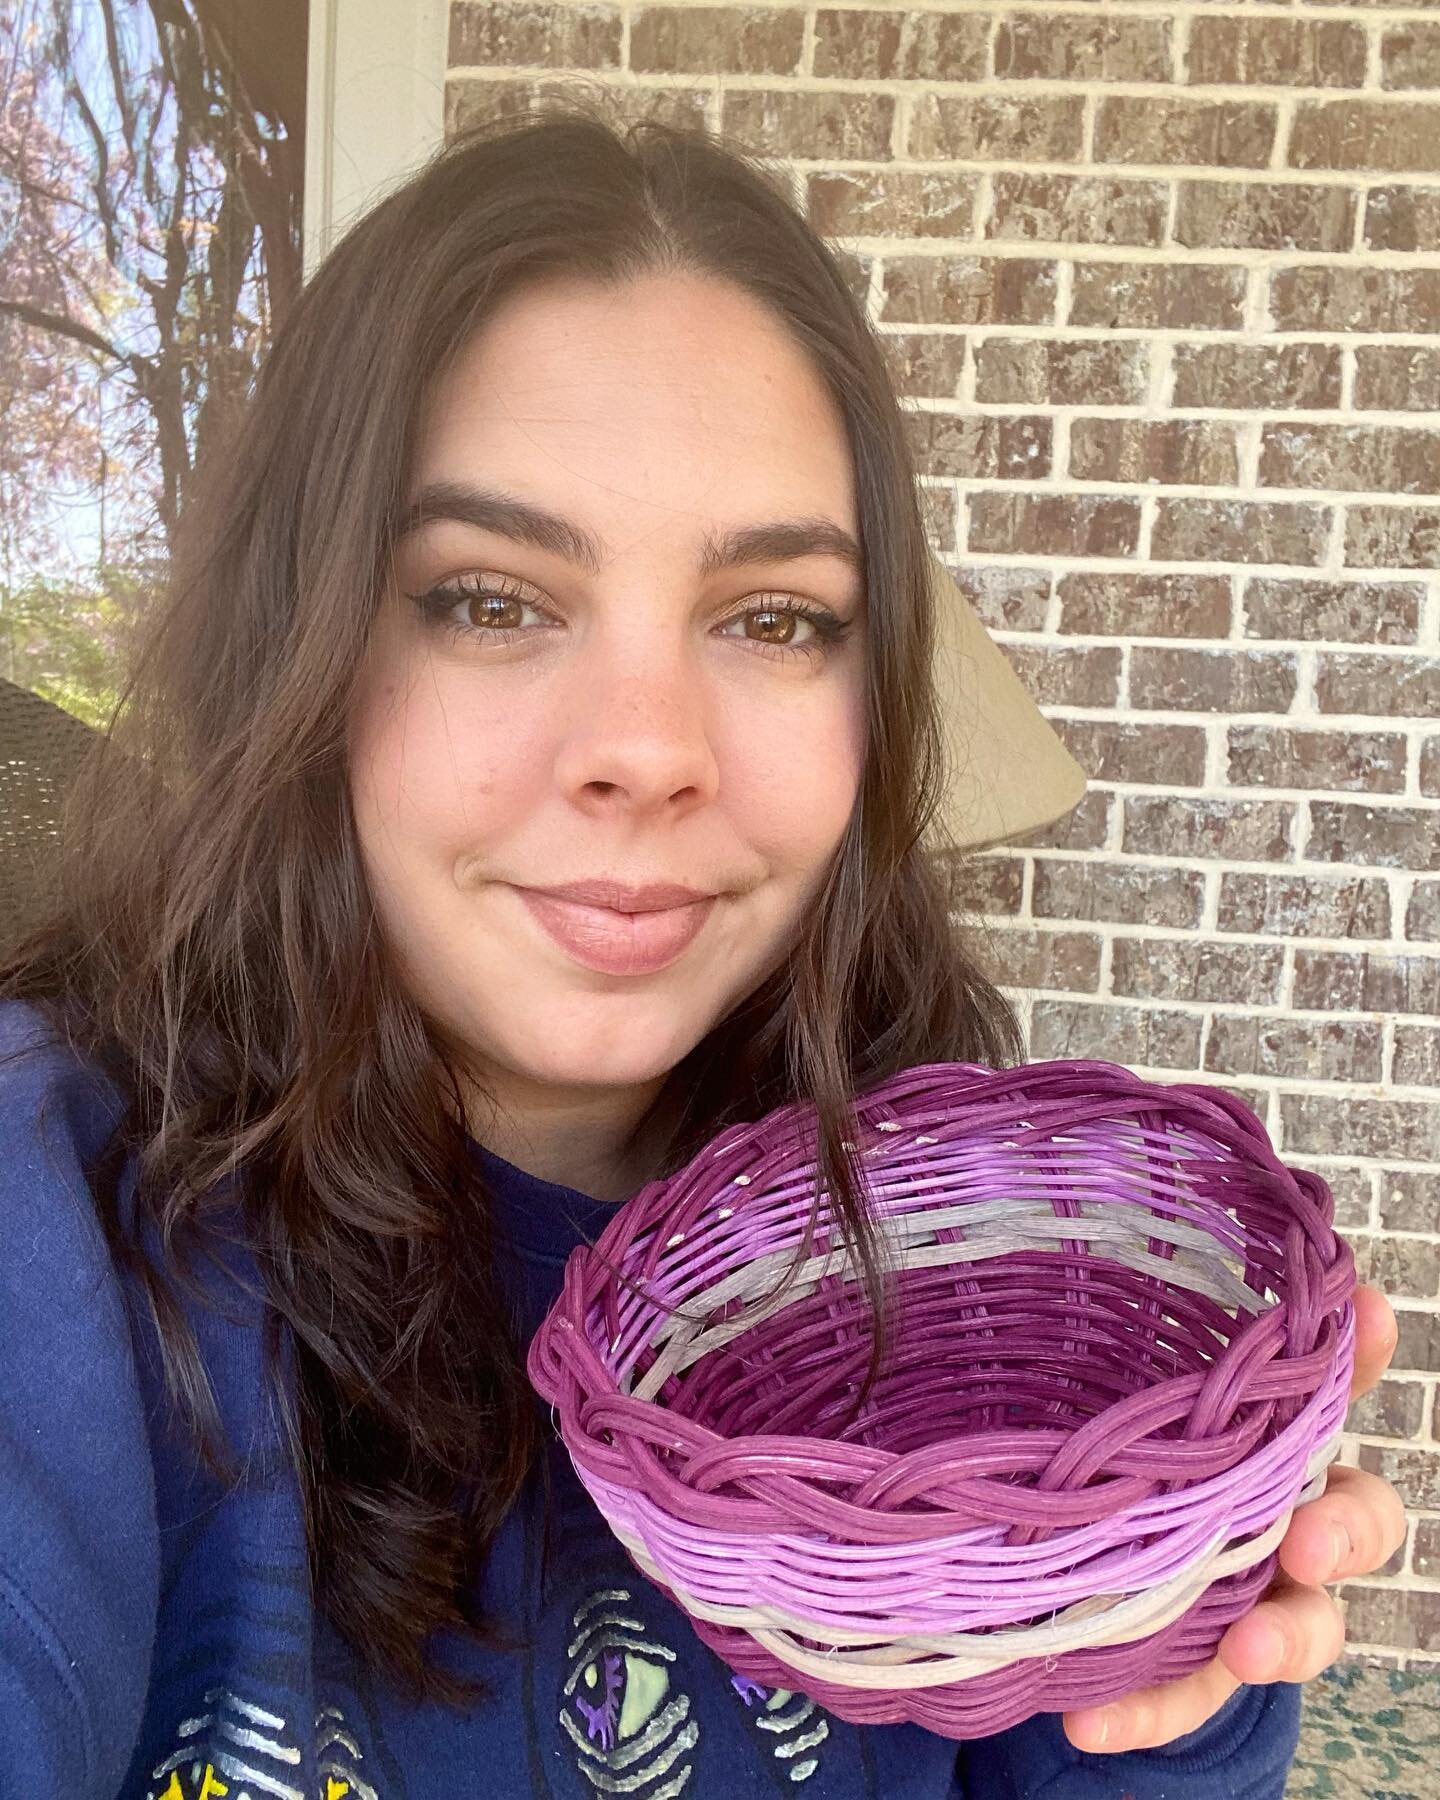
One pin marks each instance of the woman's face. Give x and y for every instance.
(609, 681)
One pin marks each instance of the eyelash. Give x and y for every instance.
(440, 601)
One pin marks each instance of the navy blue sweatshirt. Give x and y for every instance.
(158, 1639)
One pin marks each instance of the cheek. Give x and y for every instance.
(429, 772)
(794, 779)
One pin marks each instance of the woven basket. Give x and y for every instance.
(1121, 1356)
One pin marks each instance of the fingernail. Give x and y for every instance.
(1339, 1548)
(1101, 1725)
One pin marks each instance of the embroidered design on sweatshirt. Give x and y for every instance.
(236, 1750)
(629, 1726)
(796, 1725)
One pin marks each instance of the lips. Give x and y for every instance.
(618, 943)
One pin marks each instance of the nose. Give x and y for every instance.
(637, 735)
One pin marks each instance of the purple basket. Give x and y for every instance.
(1121, 1357)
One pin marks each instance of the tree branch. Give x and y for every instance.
(73, 329)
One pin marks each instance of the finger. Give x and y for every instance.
(1294, 1633)
(1366, 1512)
(1377, 1331)
(1153, 1715)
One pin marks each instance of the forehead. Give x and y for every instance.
(666, 404)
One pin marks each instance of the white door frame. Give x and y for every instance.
(374, 106)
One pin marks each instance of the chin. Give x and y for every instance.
(575, 1043)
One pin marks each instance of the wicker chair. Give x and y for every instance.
(41, 748)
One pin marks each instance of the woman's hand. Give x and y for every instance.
(1297, 1630)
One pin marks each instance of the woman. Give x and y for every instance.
(524, 781)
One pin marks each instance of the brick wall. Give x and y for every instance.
(1162, 287)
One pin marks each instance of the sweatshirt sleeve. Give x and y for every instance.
(79, 1549)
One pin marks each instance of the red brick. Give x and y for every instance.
(1296, 1049)
(1077, 209)
(1213, 681)
(1414, 1471)
(1202, 133)
(1396, 837)
(1398, 1265)
(1130, 1035)
(512, 36)
(1392, 1615)
(1392, 537)
(1410, 1201)
(1028, 958)
(1068, 674)
(1119, 750)
(1390, 1409)
(1060, 372)
(1417, 1056)
(1358, 761)
(716, 40)
(1174, 451)
(1383, 459)
(1408, 1619)
(1397, 378)
(1419, 1345)
(939, 509)
(1352, 298)
(1054, 524)
(1358, 612)
(1366, 981)
(1426, 1536)
(1301, 906)
(892, 203)
(1410, 55)
(1422, 916)
(1024, 957)
(995, 127)
(1403, 218)
(1355, 1125)
(925, 364)
(1365, 134)
(1393, 685)
(1196, 969)
(1241, 531)
(1169, 296)
(474, 103)
(1430, 767)
(986, 882)
(980, 446)
(1123, 893)
(1256, 376)
(1254, 215)
(1268, 52)
(866, 45)
(1006, 598)
(1195, 826)
(1084, 827)
(1061, 47)
(1118, 603)
(969, 290)
(815, 125)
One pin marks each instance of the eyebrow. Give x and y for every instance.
(488, 509)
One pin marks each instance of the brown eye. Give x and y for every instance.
(775, 627)
(498, 611)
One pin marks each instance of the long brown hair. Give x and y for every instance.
(217, 951)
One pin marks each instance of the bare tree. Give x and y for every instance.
(151, 207)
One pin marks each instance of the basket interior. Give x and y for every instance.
(1029, 1286)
